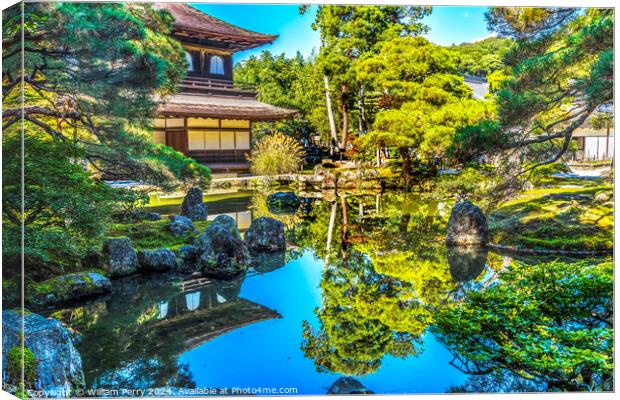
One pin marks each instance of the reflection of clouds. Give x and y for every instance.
(163, 310)
(192, 300)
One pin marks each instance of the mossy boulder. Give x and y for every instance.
(48, 349)
(265, 235)
(160, 260)
(180, 225)
(120, 258)
(223, 254)
(187, 259)
(66, 289)
(229, 222)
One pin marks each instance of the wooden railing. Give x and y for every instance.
(206, 85)
(218, 156)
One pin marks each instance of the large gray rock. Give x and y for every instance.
(67, 288)
(467, 225)
(180, 225)
(283, 202)
(265, 235)
(346, 385)
(229, 222)
(58, 364)
(161, 260)
(193, 207)
(120, 258)
(222, 253)
(187, 260)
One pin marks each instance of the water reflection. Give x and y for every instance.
(384, 274)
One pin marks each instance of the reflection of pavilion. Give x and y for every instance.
(207, 313)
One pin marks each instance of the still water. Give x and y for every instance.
(352, 296)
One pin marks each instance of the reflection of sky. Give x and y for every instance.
(268, 354)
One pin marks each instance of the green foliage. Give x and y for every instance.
(483, 57)
(548, 322)
(65, 211)
(559, 71)
(555, 218)
(15, 367)
(276, 154)
(187, 169)
(544, 173)
(424, 102)
(152, 235)
(472, 142)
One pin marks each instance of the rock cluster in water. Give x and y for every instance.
(222, 252)
(467, 225)
(58, 364)
(265, 235)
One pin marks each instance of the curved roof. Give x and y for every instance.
(227, 107)
(193, 22)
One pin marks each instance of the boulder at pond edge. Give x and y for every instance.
(67, 288)
(265, 235)
(161, 260)
(223, 254)
(58, 364)
(467, 225)
(120, 258)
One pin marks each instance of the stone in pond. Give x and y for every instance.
(467, 225)
(58, 364)
(180, 225)
(120, 258)
(187, 261)
(223, 255)
(193, 207)
(67, 288)
(161, 260)
(148, 216)
(346, 385)
(265, 235)
(283, 202)
(466, 262)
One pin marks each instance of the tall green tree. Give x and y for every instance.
(558, 73)
(349, 33)
(424, 101)
(85, 91)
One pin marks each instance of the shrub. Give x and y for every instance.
(277, 154)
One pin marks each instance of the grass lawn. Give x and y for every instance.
(150, 235)
(566, 214)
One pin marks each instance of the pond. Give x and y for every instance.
(351, 296)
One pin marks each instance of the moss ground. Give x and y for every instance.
(150, 235)
(564, 214)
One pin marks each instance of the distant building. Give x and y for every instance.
(592, 144)
(210, 119)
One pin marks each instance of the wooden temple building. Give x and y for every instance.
(210, 119)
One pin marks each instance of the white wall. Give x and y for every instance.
(594, 148)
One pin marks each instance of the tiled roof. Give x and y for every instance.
(209, 106)
(192, 21)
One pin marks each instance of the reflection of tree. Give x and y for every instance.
(385, 275)
(258, 205)
(549, 323)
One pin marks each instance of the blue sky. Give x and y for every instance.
(448, 25)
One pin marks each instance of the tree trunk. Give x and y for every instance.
(330, 230)
(607, 144)
(330, 115)
(345, 126)
(362, 117)
(406, 156)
